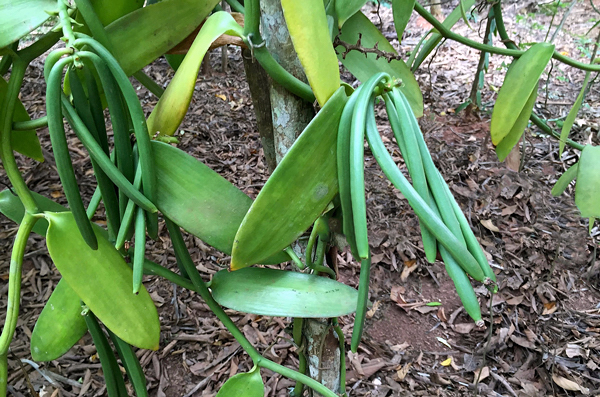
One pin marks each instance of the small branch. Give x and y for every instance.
(389, 56)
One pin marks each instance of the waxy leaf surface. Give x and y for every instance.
(402, 10)
(59, 326)
(301, 186)
(272, 292)
(248, 384)
(12, 207)
(19, 17)
(587, 187)
(102, 280)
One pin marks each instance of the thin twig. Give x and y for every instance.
(389, 56)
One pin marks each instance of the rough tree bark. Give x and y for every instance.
(290, 115)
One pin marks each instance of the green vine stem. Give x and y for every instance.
(447, 33)
(30, 124)
(297, 325)
(510, 44)
(14, 295)
(200, 287)
(65, 23)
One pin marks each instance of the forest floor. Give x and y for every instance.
(546, 317)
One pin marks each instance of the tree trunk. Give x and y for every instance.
(290, 115)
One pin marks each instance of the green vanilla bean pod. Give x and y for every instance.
(412, 157)
(357, 177)
(436, 183)
(131, 364)
(96, 107)
(103, 160)
(433, 222)
(343, 169)
(60, 147)
(115, 385)
(140, 249)
(125, 229)
(470, 239)
(135, 111)
(363, 299)
(107, 188)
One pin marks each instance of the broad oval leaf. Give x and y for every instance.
(565, 179)
(402, 10)
(520, 82)
(200, 200)
(512, 138)
(587, 187)
(346, 9)
(102, 280)
(59, 326)
(19, 17)
(173, 104)
(139, 37)
(272, 292)
(307, 23)
(24, 142)
(12, 207)
(248, 384)
(301, 186)
(364, 67)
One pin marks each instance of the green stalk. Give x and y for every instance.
(65, 23)
(236, 6)
(297, 325)
(30, 124)
(200, 288)
(491, 49)
(6, 153)
(93, 22)
(14, 295)
(150, 84)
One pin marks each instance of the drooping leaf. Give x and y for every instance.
(109, 11)
(248, 384)
(346, 9)
(512, 138)
(519, 84)
(568, 124)
(587, 187)
(435, 37)
(140, 37)
(24, 142)
(200, 200)
(402, 10)
(59, 326)
(301, 186)
(12, 207)
(19, 17)
(565, 179)
(307, 23)
(102, 280)
(364, 67)
(173, 104)
(272, 292)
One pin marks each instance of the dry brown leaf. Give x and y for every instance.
(487, 223)
(464, 328)
(517, 300)
(373, 310)
(485, 372)
(566, 383)
(402, 372)
(406, 271)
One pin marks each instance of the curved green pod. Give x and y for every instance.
(200, 200)
(59, 326)
(102, 280)
(272, 292)
(296, 193)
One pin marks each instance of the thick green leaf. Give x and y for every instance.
(568, 124)
(346, 9)
(402, 10)
(512, 138)
(296, 193)
(364, 67)
(272, 292)
(200, 200)
(173, 104)
(59, 326)
(140, 37)
(102, 280)
(19, 17)
(12, 207)
(519, 84)
(249, 384)
(435, 37)
(587, 187)
(307, 22)
(565, 179)
(24, 142)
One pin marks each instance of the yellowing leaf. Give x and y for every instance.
(221, 96)
(447, 362)
(307, 22)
